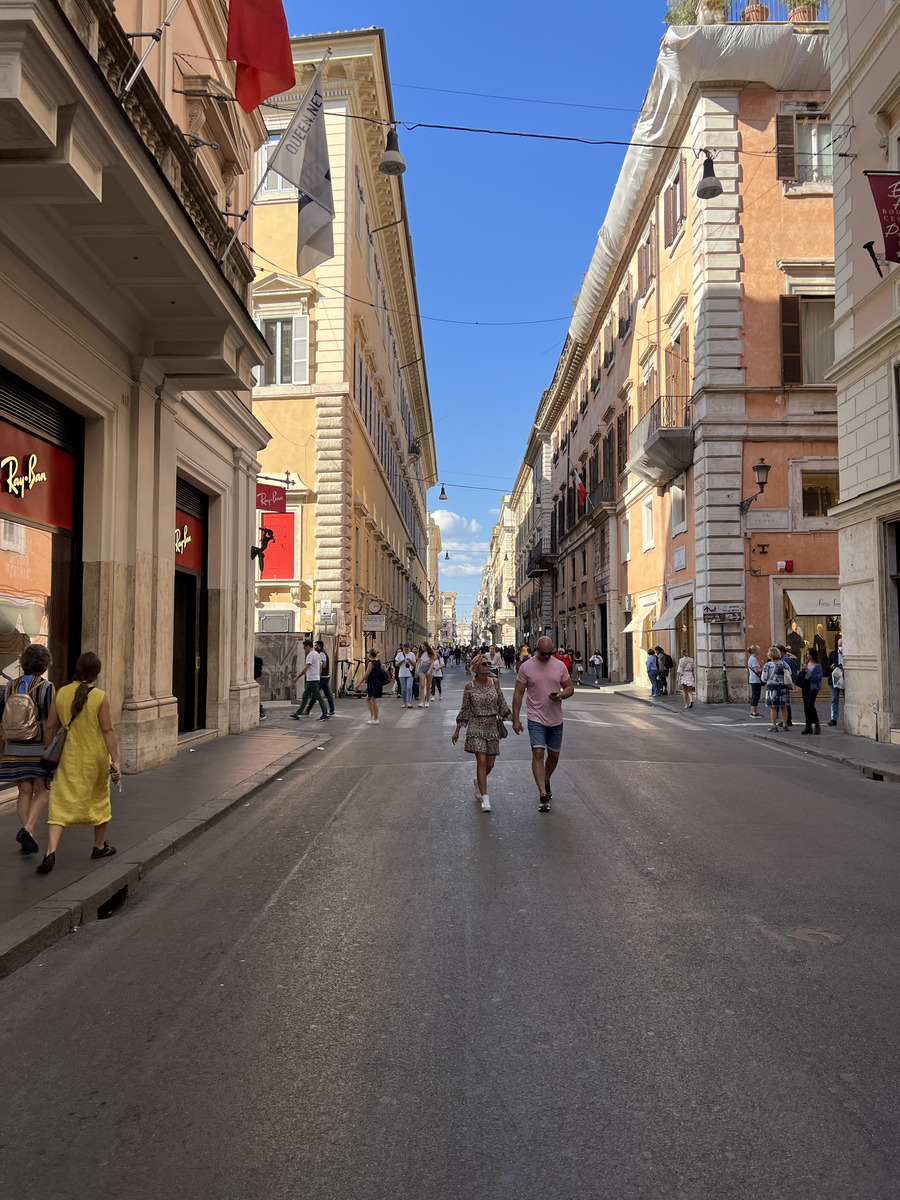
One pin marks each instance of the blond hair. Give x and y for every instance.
(773, 653)
(473, 665)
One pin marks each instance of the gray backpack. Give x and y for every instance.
(21, 715)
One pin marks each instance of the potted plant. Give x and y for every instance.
(802, 12)
(755, 13)
(697, 12)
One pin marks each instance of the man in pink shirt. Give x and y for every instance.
(545, 681)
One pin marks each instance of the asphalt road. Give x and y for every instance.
(360, 987)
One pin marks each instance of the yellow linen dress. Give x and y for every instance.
(79, 794)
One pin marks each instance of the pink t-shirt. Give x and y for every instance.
(540, 679)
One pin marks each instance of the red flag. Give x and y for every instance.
(582, 492)
(260, 45)
(886, 193)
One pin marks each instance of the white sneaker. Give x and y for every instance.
(485, 804)
(371, 721)
(426, 703)
(421, 705)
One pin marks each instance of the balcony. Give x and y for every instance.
(778, 11)
(603, 496)
(661, 445)
(540, 559)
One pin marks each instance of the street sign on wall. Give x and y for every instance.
(723, 613)
(374, 624)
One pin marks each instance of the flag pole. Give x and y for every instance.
(246, 213)
(155, 37)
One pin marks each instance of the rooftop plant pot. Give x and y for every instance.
(803, 14)
(755, 13)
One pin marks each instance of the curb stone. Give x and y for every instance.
(24, 936)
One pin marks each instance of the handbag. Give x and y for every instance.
(53, 750)
(502, 731)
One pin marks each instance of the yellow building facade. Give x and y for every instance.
(344, 393)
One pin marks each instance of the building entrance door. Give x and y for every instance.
(188, 653)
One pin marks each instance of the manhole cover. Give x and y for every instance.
(817, 937)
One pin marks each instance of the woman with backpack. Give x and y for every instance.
(27, 709)
(776, 675)
(79, 794)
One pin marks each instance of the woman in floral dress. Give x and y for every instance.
(483, 703)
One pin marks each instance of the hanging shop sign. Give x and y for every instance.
(885, 187)
(37, 479)
(188, 541)
(374, 624)
(271, 498)
(279, 561)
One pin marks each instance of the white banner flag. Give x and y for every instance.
(301, 157)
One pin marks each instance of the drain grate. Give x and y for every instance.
(111, 906)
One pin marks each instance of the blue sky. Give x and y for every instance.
(503, 228)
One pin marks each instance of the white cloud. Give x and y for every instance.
(454, 525)
(493, 512)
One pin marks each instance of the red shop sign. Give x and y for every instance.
(188, 541)
(271, 498)
(279, 562)
(37, 479)
(885, 187)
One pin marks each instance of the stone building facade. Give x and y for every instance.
(700, 344)
(126, 359)
(347, 401)
(866, 112)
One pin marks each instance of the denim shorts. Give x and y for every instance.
(545, 737)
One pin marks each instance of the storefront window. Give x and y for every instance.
(820, 492)
(812, 619)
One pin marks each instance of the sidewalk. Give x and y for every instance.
(157, 813)
(877, 760)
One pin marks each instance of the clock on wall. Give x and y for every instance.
(374, 606)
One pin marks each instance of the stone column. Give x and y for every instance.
(138, 724)
(334, 506)
(243, 694)
(718, 358)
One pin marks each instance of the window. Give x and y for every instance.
(679, 508)
(621, 442)
(820, 492)
(678, 366)
(12, 537)
(625, 310)
(647, 392)
(584, 564)
(804, 149)
(807, 339)
(647, 522)
(625, 538)
(609, 345)
(573, 570)
(272, 181)
(368, 251)
(647, 261)
(674, 205)
(288, 339)
(360, 205)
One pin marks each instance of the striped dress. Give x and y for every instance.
(22, 760)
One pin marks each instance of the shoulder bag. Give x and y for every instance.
(502, 731)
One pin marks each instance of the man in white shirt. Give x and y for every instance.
(405, 662)
(311, 689)
(596, 665)
(495, 660)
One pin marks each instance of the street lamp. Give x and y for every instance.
(392, 161)
(761, 473)
(443, 495)
(709, 186)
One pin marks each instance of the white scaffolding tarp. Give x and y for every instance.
(770, 54)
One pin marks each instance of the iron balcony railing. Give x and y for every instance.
(669, 412)
(603, 493)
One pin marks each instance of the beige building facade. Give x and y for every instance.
(866, 111)
(433, 579)
(126, 360)
(345, 392)
(700, 344)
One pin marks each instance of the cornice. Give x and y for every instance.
(866, 61)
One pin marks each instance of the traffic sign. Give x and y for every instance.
(722, 614)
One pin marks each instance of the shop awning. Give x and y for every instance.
(639, 618)
(811, 604)
(666, 621)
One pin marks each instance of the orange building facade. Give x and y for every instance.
(699, 346)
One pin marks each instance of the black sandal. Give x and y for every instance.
(45, 867)
(107, 852)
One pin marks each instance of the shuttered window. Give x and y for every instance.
(288, 339)
(674, 205)
(786, 147)
(791, 344)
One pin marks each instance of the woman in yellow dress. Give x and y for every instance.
(79, 794)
